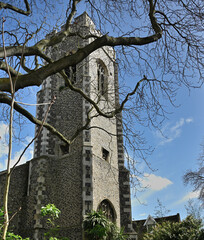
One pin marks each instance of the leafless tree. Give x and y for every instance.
(159, 49)
(194, 209)
(160, 210)
(159, 46)
(196, 177)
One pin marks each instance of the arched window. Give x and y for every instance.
(71, 73)
(102, 78)
(108, 209)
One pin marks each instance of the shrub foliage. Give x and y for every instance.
(188, 229)
(98, 227)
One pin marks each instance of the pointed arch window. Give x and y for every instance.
(108, 209)
(71, 73)
(102, 75)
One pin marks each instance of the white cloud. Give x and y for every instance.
(28, 139)
(189, 120)
(31, 153)
(3, 135)
(27, 156)
(176, 129)
(188, 196)
(143, 214)
(3, 129)
(169, 133)
(14, 159)
(155, 183)
(4, 148)
(2, 166)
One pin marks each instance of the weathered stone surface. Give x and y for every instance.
(92, 170)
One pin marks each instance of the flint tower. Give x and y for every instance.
(89, 173)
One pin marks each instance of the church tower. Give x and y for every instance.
(89, 174)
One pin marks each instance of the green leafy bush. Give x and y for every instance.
(50, 210)
(188, 229)
(52, 213)
(10, 235)
(98, 227)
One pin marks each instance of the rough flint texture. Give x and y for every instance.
(79, 177)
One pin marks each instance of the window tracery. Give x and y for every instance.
(106, 207)
(71, 73)
(102, 79)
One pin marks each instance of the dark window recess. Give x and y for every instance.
(88, 193)
(87, 139)
(102, 80)
(88, 189)
(88, 155)
(71, 73)
(88, 172)
(150, 227)
(64, 149)
(88, 175)
(87, 206)
(105, 154)
(88, 152)
(88, 168)
(108, 210)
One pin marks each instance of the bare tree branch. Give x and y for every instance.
(36, 136)
(196, 178)
(7, 183)
(5, 99)
(36, 78)
(15, 9)
(72, 13)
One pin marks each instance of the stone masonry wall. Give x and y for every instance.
(103, 134)
(77, 180)
(17, 194)
(66, 113)
(59, 185)
(124, 178)
(52, 180)
(105, 182)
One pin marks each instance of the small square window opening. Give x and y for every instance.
(64, 149)
(105, 154)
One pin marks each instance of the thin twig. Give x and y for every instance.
(32, 104)
(12, 216)
(7, 184)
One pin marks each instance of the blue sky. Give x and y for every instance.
(172, 156)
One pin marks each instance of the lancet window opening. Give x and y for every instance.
(106, 207)
(71, 73)
(102, 75)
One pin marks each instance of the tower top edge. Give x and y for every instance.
(84, 20)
